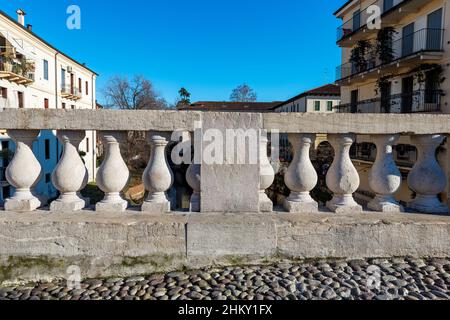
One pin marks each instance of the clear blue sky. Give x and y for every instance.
(279, 48)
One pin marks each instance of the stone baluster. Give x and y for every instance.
(158, 176)
(427, 178)
(70, 175)
(385, 178)
(24, 172)
(193, 178)
(113, 174)
(301, 176)
(343, 178)
(266, 175)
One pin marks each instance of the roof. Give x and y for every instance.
(2, 13)
(343, 6)
(326, 90)
(225, 106)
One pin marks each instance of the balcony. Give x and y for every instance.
(70, 92)
(420, 101)
(231, 219)
(17, 71)
(420, 47)
(356, 29)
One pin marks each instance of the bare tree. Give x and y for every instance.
(243, 93)
(135, 94)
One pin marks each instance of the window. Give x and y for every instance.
(80, 87)
(46, 103)
(47, 149)
(63, 79)
(72, 107)
(45, 69)
(63, 105)
(48, 178)
(4, 92)
(87, 144)
(87, 88)
(330, 105)
(317, 105)
(20, 99)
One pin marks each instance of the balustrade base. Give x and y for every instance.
(429, 205)
(111, 207)
(265, 204)
(382, 204)
(22, 205)
(344, 205)
(58, 205)
(156, 207)
(300, 207)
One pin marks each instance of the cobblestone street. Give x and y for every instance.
(380, 279)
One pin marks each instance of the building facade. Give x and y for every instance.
(34, 74)
(398, 63)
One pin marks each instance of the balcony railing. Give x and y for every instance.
(219, 186)
(358, 21)
(18, 71)
(70, 92)
(419, 101)
(424, 40)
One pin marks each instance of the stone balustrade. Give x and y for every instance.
(228, 186)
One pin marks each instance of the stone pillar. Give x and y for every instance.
(266, 174)
(157, 177)
(427, 178)
(193, 178)
(70, 175)
(24, 172)
(343, 178)
(301, 176)
(384, 178)
(113, 174)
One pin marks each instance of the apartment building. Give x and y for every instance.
(396, 64)
(34, 74)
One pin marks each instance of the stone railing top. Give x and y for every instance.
(145, 120)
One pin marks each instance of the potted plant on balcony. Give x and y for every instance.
(27, 67)
(7, 61)
(384, 47)
(361, 55)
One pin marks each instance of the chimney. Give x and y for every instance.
(21, 17)
(29, 27)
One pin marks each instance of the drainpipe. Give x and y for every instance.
(56, 99)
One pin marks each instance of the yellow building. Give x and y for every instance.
(395, 59)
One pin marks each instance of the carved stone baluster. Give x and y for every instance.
(267, 175)
(384, 178)
(157, 177)
(343, 178)
(113, 174)
(70, 175)
(301, 176)
(24, 172)
(427, 178)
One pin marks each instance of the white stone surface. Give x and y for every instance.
(301, 176)
(342, 178)
(112, 244)
(385, 178)
(427, 178)
(230, 187)
(267, 174)
(24, 172)
(158, 176)
(70, 175)
(113, 174)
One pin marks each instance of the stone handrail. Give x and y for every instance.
(226, 187)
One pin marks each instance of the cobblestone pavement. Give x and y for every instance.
(394, 279)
